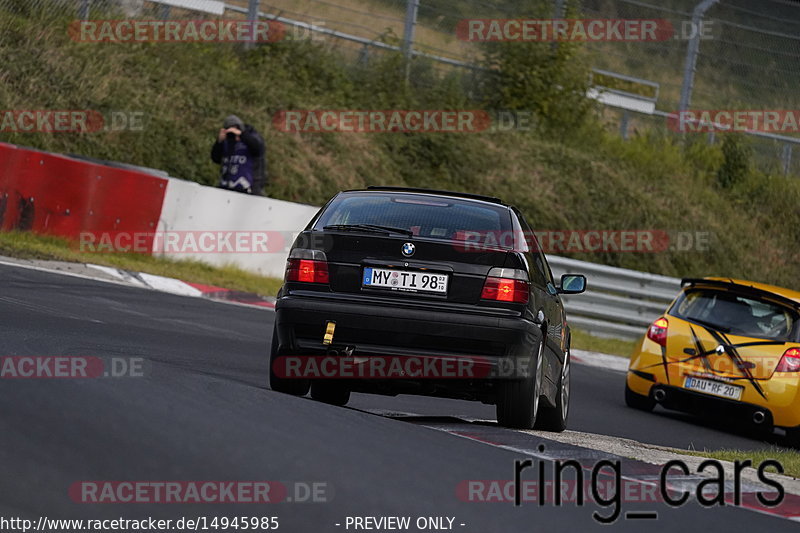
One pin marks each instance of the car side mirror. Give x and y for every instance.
(572, 284)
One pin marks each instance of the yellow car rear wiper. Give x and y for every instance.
(711, 325)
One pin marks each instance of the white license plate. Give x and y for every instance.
(403, 280)
(715, 388)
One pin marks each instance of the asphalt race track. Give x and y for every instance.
(201, 410)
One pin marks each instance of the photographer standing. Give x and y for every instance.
(240, 152)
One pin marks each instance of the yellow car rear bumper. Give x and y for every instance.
(780, 394)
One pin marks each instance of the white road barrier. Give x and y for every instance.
(221, 227)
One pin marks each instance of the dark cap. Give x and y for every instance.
(231, 121)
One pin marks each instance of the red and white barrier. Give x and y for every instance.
(58, 195)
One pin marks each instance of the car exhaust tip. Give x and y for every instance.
(659, 395)
(346, 351)
(759, 417)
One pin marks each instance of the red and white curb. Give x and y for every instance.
(145, 281)
(185, 288)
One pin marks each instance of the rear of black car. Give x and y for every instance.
(408, 274)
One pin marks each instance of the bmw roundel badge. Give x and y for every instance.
(408, 249)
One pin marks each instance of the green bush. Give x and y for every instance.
(549, 80)
(736, 160)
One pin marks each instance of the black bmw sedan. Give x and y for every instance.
(394, 290)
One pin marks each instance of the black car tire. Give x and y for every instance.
(555, 418)
(792, 438)
(637, 401)
(295, 387)
(330, 392)
(518, 400)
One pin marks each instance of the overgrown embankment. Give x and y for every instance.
(568, 173)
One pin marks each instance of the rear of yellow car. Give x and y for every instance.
(724, 347)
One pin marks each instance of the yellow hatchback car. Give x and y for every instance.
(724, 347)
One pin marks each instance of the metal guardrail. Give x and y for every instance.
(618, 302)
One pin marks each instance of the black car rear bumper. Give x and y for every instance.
(380, 329)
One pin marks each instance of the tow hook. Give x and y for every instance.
(327, 339)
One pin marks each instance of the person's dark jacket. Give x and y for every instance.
(255, 144)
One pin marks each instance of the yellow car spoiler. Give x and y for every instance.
(739, 287)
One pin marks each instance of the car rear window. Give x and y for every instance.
(738, 314)
(424, 215)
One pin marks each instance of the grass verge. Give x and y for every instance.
(585, 341)
(26, 245)
(788, 458)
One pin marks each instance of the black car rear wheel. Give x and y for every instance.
(295, 387)
(330, 392)
(638, 401)
(518, 400)
(555, 418)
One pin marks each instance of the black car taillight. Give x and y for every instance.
(506, 285)
(308, 266)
